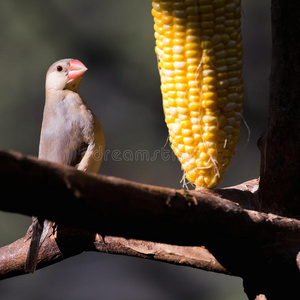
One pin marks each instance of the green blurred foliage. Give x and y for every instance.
(114, 39)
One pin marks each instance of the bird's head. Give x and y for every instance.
(65, 74)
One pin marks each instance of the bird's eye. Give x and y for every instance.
(59, 68)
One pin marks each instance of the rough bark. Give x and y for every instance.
(67, 242)
(280, 146)
(279, 188)
(118, 207)
(213, 230)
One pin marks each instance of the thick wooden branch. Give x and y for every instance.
(118, 207)
(151, 220)
(280, 146)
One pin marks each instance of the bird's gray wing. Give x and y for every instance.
(63, 139)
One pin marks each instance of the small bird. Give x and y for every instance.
(71, 134)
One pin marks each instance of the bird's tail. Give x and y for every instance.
(39, 232)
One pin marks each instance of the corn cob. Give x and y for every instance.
(199, 50)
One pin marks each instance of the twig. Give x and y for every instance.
(68, 242)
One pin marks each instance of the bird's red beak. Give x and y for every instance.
(76, 69)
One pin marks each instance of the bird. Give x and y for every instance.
(71, 134)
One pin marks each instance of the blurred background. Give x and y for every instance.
(114, 39)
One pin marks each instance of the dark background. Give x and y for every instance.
(114, 39)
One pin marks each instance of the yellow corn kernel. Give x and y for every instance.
(198, 44)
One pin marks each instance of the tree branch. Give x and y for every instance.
(221, 220)
(68, 242)
(115, 206)
(280, 146)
